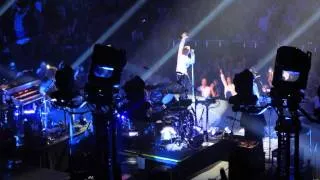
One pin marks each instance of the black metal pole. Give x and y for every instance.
(296, 156)
(100, 124)
(106, 145)
(205, 132)
(297, 128)
(116, 169)
(287, 154)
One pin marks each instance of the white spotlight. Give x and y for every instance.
(293, 36)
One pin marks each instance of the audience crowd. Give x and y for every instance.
(60, 31)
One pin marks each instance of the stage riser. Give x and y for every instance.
(190, 165)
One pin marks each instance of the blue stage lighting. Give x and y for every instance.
(123, 19)
(292, 37)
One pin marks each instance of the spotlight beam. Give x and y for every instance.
(204, 22)
(123, 19)
(292, 37)
(6, 6)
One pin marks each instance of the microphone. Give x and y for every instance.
(184, 35)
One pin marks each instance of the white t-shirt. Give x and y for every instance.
(229, 89)
(183, 64)
(183, 61)
(205, 91)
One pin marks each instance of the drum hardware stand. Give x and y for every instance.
(205, 132)
(44, 114)
(201, 116)
(205, 128)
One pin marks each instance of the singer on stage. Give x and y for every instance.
(186, 57)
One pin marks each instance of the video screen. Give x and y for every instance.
(290, 76)
(103, 71)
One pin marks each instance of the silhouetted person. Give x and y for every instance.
(223, 174)
(229, 87)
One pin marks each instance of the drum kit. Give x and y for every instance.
(176, 126)
(172, 121)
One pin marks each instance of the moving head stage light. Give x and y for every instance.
(291, 71)
(105, 73)
(292, 68)
(103, 83)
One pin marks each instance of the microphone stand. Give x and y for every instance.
(192, 77)
(193, 94)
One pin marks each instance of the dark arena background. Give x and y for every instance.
(159, 89)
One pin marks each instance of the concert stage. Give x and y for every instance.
(171, 146)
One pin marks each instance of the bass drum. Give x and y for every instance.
(182, 122)
(168, 133)
(168, 128)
